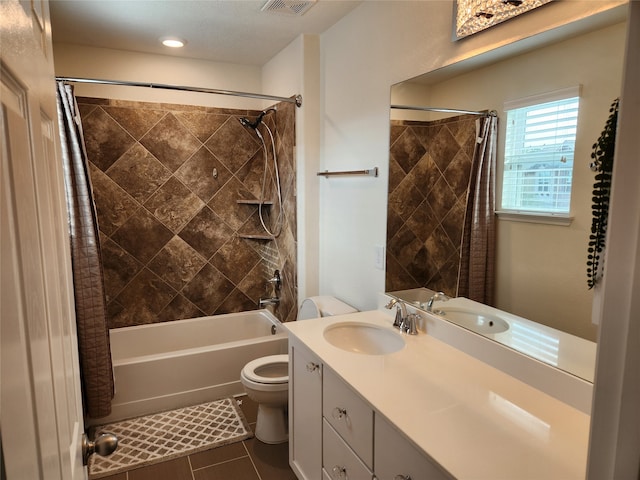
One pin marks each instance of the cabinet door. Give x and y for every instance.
(305, 412)
(397, 459)
(349, 415)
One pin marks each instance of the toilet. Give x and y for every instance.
(266, 379)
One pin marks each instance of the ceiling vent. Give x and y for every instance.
(288, 7)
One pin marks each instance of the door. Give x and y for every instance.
(40, 394)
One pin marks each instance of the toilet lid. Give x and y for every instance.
(271, 369)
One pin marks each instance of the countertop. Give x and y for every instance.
(476, 421)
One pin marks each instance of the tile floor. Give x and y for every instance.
(247, 460)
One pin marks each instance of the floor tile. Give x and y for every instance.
(177, 469)
(271, 461)
(217, 455)
(239, 469)
(117, 476)
(249, 408)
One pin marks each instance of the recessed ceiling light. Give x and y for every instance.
(173, 42)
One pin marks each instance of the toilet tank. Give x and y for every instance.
(323, 306)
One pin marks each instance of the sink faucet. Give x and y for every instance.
(438, 296)
(405, 322)
(401, 311)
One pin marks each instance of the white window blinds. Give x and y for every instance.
(539, 148)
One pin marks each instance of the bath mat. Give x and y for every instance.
(162, 436)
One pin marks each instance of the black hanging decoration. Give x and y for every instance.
(602, 155)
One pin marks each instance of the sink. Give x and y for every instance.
(484, 323)
(363, 338)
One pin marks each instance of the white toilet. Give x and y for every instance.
(266, 379)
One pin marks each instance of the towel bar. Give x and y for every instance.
(371, 172)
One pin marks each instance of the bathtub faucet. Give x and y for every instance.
(268, 301)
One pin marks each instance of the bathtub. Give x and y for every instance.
(170, 365)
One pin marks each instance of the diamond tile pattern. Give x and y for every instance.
(162, 436)
(429, 171)
(170, 226)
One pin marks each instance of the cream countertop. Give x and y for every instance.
(474, 420)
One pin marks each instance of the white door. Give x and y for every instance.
(40, 398)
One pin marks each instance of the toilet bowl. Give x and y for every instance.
(266, 379)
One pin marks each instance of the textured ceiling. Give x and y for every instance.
(233, 31)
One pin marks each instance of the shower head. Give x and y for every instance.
(247, 123)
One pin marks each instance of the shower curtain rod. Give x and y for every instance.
(297, 99)
(436, 109)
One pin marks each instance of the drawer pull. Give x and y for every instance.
(339, 413)
(312, 367)
(339, 473)
(402, 477)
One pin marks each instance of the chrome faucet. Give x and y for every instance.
(438, 296)
(403, 321)
(263, 302)
(276, 281)
(401, 311)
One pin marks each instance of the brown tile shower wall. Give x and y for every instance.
(429, 168)
(170, 228)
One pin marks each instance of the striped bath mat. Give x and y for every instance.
(176, 433)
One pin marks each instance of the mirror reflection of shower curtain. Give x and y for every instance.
(477, 257)
(93, 334)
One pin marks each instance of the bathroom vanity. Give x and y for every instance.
(424, 410)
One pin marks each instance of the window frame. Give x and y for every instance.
(524, 215)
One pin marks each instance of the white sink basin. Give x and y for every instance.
(484, 323)
(363, 338)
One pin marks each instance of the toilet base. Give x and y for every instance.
(272, 425)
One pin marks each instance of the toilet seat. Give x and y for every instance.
(272, 369)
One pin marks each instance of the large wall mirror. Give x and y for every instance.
(540, 268)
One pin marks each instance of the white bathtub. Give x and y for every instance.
(175, 364)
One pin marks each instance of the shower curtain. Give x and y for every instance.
(93, 334)
(476, 278)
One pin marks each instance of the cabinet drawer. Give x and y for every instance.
(397, 458)
(351, 416)
(338, 460)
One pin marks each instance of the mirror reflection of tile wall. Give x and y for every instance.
(429, 169)
(169, 229)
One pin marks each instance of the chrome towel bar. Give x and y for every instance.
(370, 172)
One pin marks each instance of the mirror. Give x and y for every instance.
(540, 268)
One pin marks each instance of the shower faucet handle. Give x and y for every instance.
(276, 280)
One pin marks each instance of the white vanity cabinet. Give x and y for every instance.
(336, 435)
(397, 459)
(305, 412)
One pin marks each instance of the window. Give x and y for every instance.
(538, 156)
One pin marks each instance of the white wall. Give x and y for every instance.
(109, 64)
(378, 44)
(295, 70)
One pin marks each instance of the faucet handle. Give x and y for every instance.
(398, 322)
(411, 324)
(276, 280)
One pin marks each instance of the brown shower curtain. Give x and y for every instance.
(93, 334)
(476, 279)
